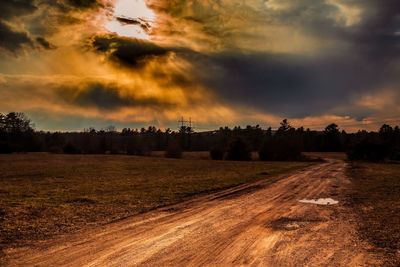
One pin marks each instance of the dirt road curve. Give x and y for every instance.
(259, 224)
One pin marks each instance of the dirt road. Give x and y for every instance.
(259, 224)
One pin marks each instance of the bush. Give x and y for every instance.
(280, 149)
(217, 153)
(70, 149)
(368, 150)
(238, 150)
(174, 150)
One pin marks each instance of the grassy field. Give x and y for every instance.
(42, 195)
(376, 200)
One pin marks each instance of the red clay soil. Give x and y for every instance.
(258, 224)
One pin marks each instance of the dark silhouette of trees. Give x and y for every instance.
(370, 149)
(238, 149)
(17, 134)
(375, 146)
(285, 145)
(174, 150)
(15, 122)
(332, 138)
(285, 128)
(217, 152)
(185, 137)
(70, 148)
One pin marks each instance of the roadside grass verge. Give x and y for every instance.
(42, 195)
(375, 197)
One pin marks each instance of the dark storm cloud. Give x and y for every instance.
(106, 97)
(84, 3)
(12, 40)
(289, 85)
(45, 17)
(126, 51)
(44, 43)
(377, 36)
(365, 60)
(15, 8)
(72, 5)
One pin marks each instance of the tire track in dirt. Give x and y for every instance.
(259, 224)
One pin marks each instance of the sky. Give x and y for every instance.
(74, 64)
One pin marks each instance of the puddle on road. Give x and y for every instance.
(320, 201)
(291, 224)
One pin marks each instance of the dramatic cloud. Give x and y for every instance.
(291, 85)
(84, 3)
(222, 61)
(14, 8)
(24, 22)
(13, 40)
(107, 97)
(289, 58)
(127, 51)
(44, 43)
(104, 101)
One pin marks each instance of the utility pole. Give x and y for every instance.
(185, 123)
(185, 130)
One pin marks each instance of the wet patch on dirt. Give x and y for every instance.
(291, 224)
(320, 201)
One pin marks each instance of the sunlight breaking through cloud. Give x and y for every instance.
(132, 18)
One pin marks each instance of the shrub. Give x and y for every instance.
(238, 150)
(174, 150)
(368, 150)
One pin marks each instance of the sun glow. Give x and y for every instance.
(140, 15)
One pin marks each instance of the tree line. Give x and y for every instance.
(17, 134)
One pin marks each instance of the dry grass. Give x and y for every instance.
(376, 200)
(44, 195)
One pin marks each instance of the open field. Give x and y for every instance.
(256, 224)
(376, 201)
(42, 195)
(251, 214)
